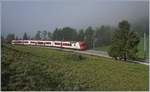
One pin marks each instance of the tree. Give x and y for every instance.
(103, 35)
(132, 43)
(20, 38)
(49, 35)
(124, 42)
(57, 34)
(80, 35)
(38, 35)
(66, 34)
(69, 34)
(25, 37)
(44, 35)
(16, 38)
(89, 36)
(2, 39)
(10, 37)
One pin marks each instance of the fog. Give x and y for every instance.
(30, 16)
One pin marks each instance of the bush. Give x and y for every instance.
(75, 57)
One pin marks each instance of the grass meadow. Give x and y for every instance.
(35, 68)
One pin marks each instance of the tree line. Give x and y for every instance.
(123, 41)
(93, 37)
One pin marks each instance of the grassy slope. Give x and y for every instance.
(140, 53)
(30, 68)
(103, 48)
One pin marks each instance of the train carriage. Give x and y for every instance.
(59, 44)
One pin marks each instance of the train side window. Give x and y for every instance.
(57, 43)
(18, 42)
(40, 42)
(48, 42)
(26, 42)
(66, 44)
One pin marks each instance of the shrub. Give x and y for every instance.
(75, 57)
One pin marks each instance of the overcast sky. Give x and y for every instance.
(30, 16)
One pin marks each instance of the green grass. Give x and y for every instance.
(140, 53)
(34, 68)
(103, 48)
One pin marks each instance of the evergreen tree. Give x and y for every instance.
(89, 36)
(57, 34)
(49, 35)
(2, 39)
(25, 37)
(69, 34)
(103, 35)
(66, 34)
(16, 38)
(81, 35)
(44, 35)
(10, 37)
(38, 35)
(124, 42)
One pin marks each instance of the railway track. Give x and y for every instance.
(95, 53)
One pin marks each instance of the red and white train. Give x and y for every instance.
(60, 44)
